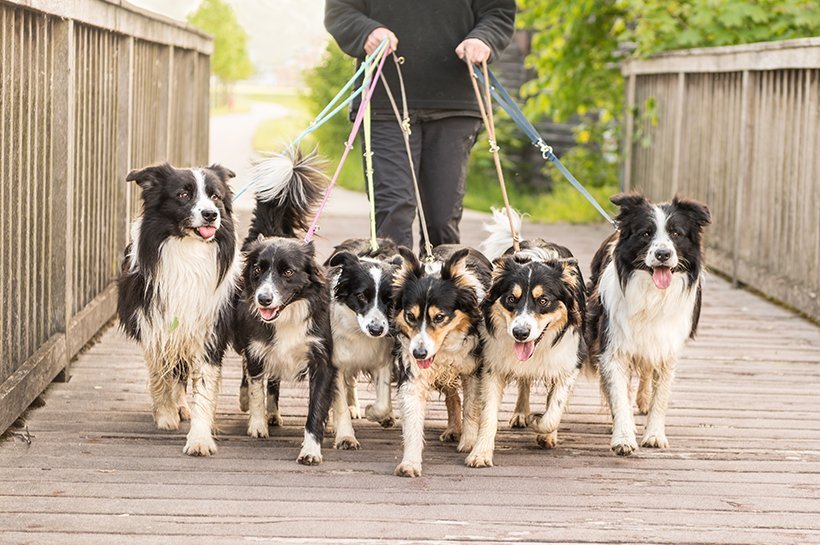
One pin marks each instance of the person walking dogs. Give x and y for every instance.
(434, 37)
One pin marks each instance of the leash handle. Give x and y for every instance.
(348, 146)
(486, 108)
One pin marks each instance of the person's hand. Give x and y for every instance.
(377, 36)
(473, 50)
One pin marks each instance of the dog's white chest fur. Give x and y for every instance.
(287, 356)
(645, 322)
(352, 349)
(187, 298)
(548, 362)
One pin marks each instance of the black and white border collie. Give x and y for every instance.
(361, 285)
(644, 302)
(175, 290)
(282, 328)
(534, 332)
(437, 318)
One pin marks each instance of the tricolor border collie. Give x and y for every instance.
(282, 320)
(644, 302)
(534, 317)
(361, 289)
(437, 318)
(175, 291)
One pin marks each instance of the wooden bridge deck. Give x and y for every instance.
(744, 466)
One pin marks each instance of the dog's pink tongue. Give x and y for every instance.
(267, 313)
(424, 364)
(524, 351)
(206, 231)
(662, 277)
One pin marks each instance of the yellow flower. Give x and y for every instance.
(583, 137)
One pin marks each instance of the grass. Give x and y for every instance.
(564, 204)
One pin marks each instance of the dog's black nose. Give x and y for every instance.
(264, 299)
(210, 215)
(663, 255)
(420, 353)
(375, 329)
(521, 333)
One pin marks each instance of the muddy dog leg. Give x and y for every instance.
(492, 389)
(522, 405)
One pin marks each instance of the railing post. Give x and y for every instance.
(744, 172)
(126, 99)
(676, 155)
(626, 173)
(169, 97)
(62, 230)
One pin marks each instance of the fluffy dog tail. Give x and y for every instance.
(499, 238)
(288, 187)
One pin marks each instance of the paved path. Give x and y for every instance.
(744, 465)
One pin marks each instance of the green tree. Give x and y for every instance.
(230, 61)
(577, 47)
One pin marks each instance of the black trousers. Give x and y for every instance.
(440, 149)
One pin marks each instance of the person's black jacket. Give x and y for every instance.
(428, 32)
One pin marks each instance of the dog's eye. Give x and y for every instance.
(257, 270)
(511, 299)
(646, 234)
(409, 318)
(183, 195)
(439, 318)
(676, 233)
(288, 273)
(543, 301)
(216, 198)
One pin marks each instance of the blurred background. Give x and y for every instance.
(274, 68)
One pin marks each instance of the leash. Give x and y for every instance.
(349, 143)
(508, 104)
(326, 114)
(368, 169)
(403, 120)
(486, 109)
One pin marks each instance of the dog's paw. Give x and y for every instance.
(623, 445)
(479, 459)
(643, 406)
(276, 420)
(466, 443)
(387, 422)
(355, 412)
(547, 440)
(408, 469)
(450, 435)
(200, 445)
(309, 458)
(258, 428)
(656, 440)
(378, 414)
(518, 421)
(168, 420)
(184, 413)
(346, 443)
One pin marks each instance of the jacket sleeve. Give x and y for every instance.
(495, 23)
(347, 23)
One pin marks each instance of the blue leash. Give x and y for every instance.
(508, 104)
(324, 116)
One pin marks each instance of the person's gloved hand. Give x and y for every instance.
(377, 36)
(474, 50)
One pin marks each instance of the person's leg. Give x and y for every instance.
(393, 183)
(446, 145)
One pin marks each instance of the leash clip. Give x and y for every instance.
(405, 126)
(546, 149)
(494, 146)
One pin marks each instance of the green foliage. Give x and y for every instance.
(322, 82)
(577, 47)
(230, 61)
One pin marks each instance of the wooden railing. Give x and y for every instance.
(88, 90)
(738, 128)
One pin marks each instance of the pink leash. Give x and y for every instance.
(357, 122)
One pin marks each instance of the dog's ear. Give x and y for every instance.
(152, 176)
(397, 261)
(504, 265)
(627, 201)
(455, 269)
(410, 267)
(343, 259)
(311, 249)
(223, 173)
(697, 211)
